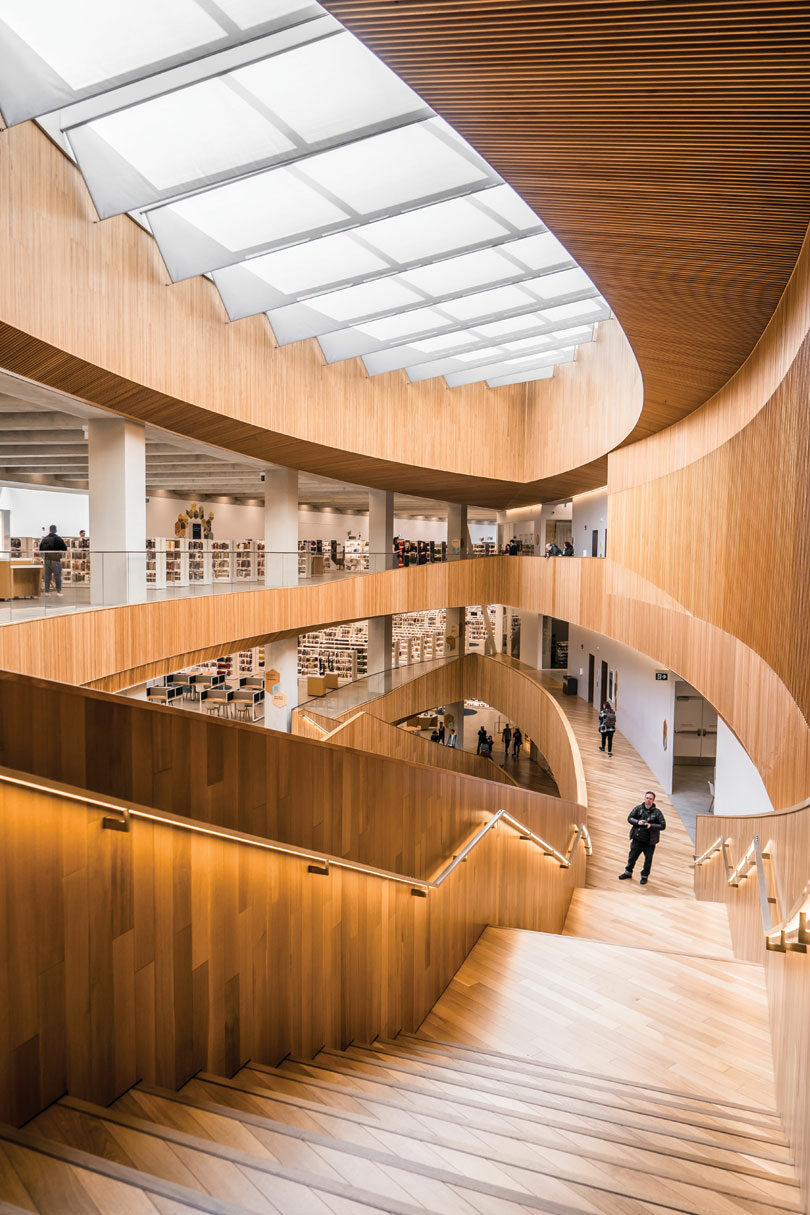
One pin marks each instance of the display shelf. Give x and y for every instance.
(342, 650)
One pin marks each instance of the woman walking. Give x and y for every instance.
(607, 726)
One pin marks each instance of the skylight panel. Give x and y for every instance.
(510, 207)
(462, 273)
(376, 296)
(585, 308)
(442, 229)
(328, 88)
(485, 302)
(540, 252)
(395, 327)
(449, 341)
(521, 377)
(316, 263)
(395, 169)
(457, 379)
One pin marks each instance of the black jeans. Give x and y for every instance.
(636, 849)
(607, 737)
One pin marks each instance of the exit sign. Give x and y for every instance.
(662, 674)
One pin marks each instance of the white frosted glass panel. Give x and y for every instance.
(584, 308)
(522, 377)
(306, 266)
(564, 283)
(516, 325)
(364, 299)
(255, 12)
(531, 343)
(392, 169)
(462, 273)
(469, 356)
(437, 229)
(539, 251)
(92, 40)
(510, 206)
(186, 135)
(484, 302)
(258, 210)
(449, 341)
(393, 327)
(329, 87)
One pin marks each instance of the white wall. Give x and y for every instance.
(34, 510)
(480, 533)
(643, 703)
(589, 515)
(738, 787)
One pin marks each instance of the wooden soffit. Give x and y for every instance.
(664, 144)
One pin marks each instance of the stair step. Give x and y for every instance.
(240, 1093)
(364, 1096)
(52, 1177)
(442, 1178)
(505, 1095)
(437, 1063)
(638, 1172)
(457, 1050)
(262, 1186)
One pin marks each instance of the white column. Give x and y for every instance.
(531, 639)
(498, 628)
(458, 537)
(455, 628)
(281, 656)
(380, 531)
(281, 527)
(380, 639)
(501, 528)
(116, 458)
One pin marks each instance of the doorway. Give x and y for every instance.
(591, 672)
(594, 543)
(603, 684)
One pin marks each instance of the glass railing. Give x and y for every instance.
(370, 687)
(35, 584)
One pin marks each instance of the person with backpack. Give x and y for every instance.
(52, 546)
(607, 726)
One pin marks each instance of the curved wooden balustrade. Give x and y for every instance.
(775, 865)
(170, 947)
(506, 684)
(110, 330)
(117, 647)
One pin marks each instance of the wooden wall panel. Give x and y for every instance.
(367, 732)
(787, 975)
(154, 953)
(108, 330)
(382, 811)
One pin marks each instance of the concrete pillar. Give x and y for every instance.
(454, 631)
(281, 656)
(498, 628)
(380, 531)
(281, 527)
(531, 639)
(380, 639)
(458, 537)
(116, 459)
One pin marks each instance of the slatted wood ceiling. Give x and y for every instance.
(664, 144)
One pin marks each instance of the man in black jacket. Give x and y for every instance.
(646, 824)
(52, 546)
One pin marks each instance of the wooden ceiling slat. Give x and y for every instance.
(666, 145)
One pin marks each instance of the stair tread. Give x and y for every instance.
(392, 1115)
(570, 1163)
(576, 1087)
(206, 1166)
(503, 1095)
(417, 1101)
(41, 1163)
(431, 1045)
(444, 1180)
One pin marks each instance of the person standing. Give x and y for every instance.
(452, 738)
(441, 733)
(553, 550)
(52, 546)
(607, 726)
(568, 549)
(517, 742)
(506, 738)
(482, 738)
(646, 824)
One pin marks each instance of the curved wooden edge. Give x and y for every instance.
(369, 732)
(735, 404)
(106, 283)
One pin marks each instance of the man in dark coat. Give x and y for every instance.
(646, 824)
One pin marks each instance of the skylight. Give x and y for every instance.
(262, 143)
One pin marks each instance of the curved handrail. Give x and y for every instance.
(790, 932)
(319, 862)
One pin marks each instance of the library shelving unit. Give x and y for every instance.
(222, 561)
(417, 636)
(475, 626)
(341, 650)
(484, 548)
(156, 562)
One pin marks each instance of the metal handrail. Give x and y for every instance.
(789, 932)
(318, 862)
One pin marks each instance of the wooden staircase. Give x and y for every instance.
(404, 1126)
